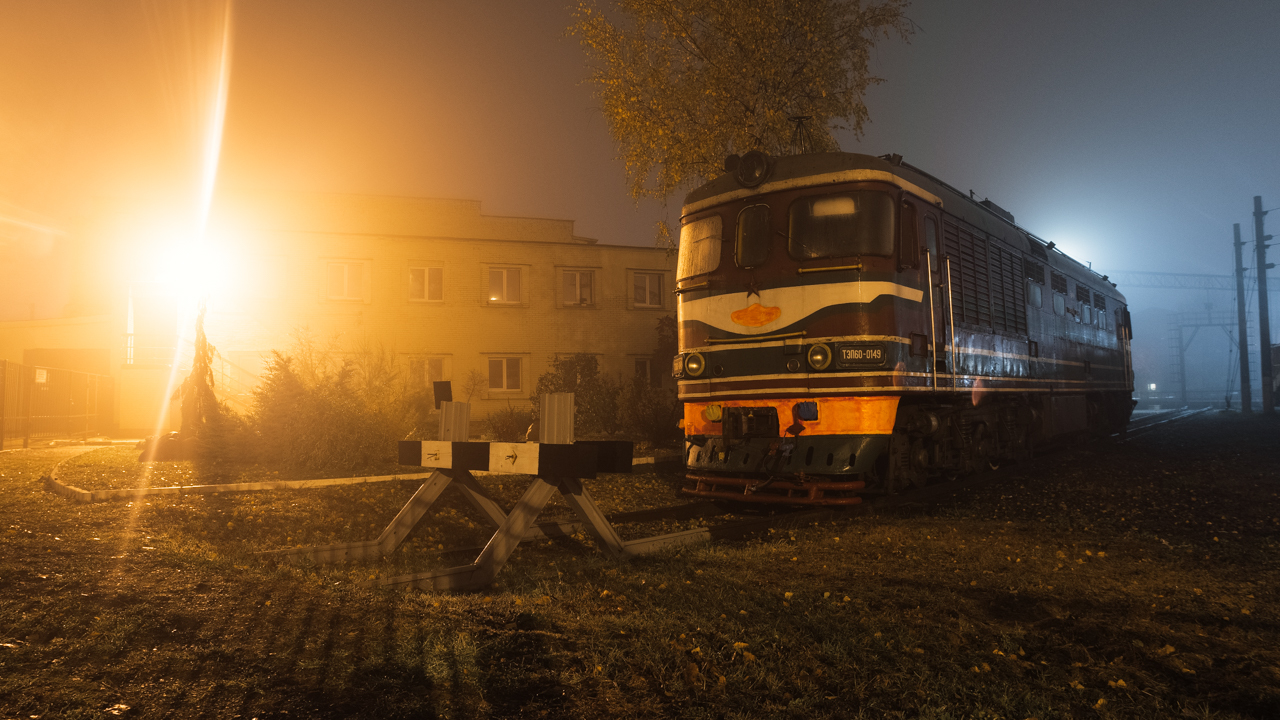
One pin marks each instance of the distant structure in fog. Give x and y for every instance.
(453, 293)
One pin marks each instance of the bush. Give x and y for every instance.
(650, 413)
(318, 413)
(510, 425)
(595, 396)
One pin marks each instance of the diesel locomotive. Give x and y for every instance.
(850, 324)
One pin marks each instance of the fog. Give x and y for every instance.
(1131, 134)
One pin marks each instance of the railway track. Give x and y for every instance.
(1149, 424)
(783, 518)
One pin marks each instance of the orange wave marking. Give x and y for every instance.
(756, 315)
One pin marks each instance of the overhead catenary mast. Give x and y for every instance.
(1242, 319)
(1264, 317)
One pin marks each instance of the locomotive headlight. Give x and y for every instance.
(694, 364)
(819, 356)
(713, 413)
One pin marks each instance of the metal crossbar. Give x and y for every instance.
(512, 528)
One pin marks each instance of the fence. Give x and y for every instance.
(39, 403)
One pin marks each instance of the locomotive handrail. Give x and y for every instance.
(951, 313)
(802, 271)
(933, 322)
(757, 338)
(689, 288)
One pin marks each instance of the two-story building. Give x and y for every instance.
(486, 302)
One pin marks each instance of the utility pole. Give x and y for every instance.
(1242, 318)
(1264, 317)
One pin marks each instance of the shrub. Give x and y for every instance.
(315, 411)
(595, 396)
(650, 413)
(509, 425)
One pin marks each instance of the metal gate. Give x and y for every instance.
(38, 403)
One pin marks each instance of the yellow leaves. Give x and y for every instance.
(1076, 684)
(605, 594)
(748, 657)
(1098, 705)
(740, 645)
(787, 595)
(1117, 683)
(1166, 650)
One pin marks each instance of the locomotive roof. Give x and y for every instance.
(791, 171)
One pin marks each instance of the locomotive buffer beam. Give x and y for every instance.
(755, 490)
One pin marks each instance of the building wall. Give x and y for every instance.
(464, 329)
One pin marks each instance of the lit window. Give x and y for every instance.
(346, 281)
(426, 283)
(577, 287)
(648, 289)
(504, 373)
(504, 285)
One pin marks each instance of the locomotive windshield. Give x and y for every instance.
(841, 225)
(699, 247)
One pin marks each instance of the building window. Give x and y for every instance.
(578, 287)
(642, 370)
(504, 373)
(645, 374)
(426, 284)
(504, 285)
(346, 281)
(424, 371)
(648, 289)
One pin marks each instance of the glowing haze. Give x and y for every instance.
(1132, 134)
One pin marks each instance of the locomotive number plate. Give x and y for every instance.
(860, 355)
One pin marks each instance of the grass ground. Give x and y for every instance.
(1134, 580)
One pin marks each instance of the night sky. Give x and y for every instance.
(1132, 133)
